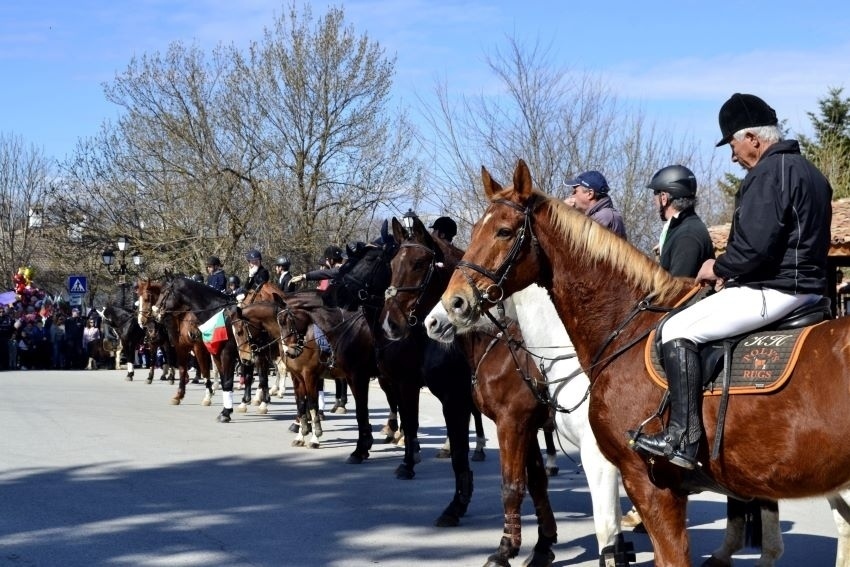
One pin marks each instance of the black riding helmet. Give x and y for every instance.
(234, 280)
(283, 261)
(677, 180)
(333, 253)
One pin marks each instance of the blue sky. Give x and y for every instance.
(678, 60)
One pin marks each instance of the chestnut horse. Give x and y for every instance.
(609, 296)
(568, 388)
(508, 387)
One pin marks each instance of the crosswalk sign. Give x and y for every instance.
(78, 285)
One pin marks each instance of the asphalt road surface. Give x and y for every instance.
(95, 470)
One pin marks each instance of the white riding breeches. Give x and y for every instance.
(732, 311)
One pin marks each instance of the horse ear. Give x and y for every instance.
(399, 232)
(420, 233)
(522, 179)
(491, 186)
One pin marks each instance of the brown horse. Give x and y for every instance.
(261, 329)
(609, 295)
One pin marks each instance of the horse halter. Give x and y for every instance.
(300, 339)
(363, 287)
(392, 291)
(494, 293)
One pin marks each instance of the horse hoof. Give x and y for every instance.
(715, 562)
(263, 409)
(149, 380)
(497, 560)
(552, 471)
(175, 401)
(447, 521)
(255, 402)
(355, 459)
(297, 442)
(340, 410)
(443, 454)
(403, 472)
(294, 427)
(540, 559)
(478, 455)
(241, 408)
(314, 445)
(128, 378)
(206, 402)
(274, 391)
(222, 418)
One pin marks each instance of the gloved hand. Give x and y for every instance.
(298, 278)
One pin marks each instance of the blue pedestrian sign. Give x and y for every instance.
(78, 285)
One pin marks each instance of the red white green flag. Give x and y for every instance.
(214, 333)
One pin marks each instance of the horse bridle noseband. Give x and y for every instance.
(392, 291)
(495, 293)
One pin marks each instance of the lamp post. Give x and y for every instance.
(122, 271)
(407, 219)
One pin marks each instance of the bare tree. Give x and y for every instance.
(286, 147)
(25, 175)
(561, 123)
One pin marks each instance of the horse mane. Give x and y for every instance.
(588, 239)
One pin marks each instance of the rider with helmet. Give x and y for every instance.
(684, 243)
(329, 270)
(215, 274)
(444, 228)
(257, 273)
(284, 277)
(234, 286)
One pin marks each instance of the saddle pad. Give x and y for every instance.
(761, 362)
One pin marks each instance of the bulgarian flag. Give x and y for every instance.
(214, 333)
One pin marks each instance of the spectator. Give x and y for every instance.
(57, 342)
(90, 334)
(7, 330)
(74, 326)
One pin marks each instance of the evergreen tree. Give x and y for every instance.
(830, 148)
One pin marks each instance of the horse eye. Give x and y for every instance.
(504, 233)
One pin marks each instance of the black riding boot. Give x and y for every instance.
(680, 441)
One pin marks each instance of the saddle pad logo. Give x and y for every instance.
(761, 362)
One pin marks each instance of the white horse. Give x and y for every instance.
(546, 338)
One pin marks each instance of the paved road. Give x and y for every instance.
(98, 471)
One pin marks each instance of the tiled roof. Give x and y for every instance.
(840, 245)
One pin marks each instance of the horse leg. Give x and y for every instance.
(263, 397)
(840, 504)
(226, 393)
(456, 411)
(150, 374)
(749, 524)
(538, 487)
(313, 412)
(341, 396)
(409, 407)
(603, 480)
(389, 429)
(246, 394)
(303, 423)
(181, 386)
(360, 389)
(480, 440)
(664, 515)
(282, 373)
(552, 468)
(513, 449)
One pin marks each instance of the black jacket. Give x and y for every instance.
(781, 226)
(283, 282)
(258, 279)
(687, 245)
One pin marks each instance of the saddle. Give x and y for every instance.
(758, 362)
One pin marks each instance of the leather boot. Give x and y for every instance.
(679, 442)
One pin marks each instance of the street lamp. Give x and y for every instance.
(407, 219)
(121, 271)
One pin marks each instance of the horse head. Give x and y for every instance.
(149, 294)
(420, 271)
(364, 276)
(503, 256)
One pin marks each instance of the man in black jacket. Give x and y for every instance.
(257, 273)
(685, 243)
(775, 262)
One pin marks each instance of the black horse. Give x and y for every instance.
(182, 305)
(420, 273)
(126, 325)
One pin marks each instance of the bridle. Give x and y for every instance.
(495, 293)
(392, 291)
(300, 338)
(363, 287)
